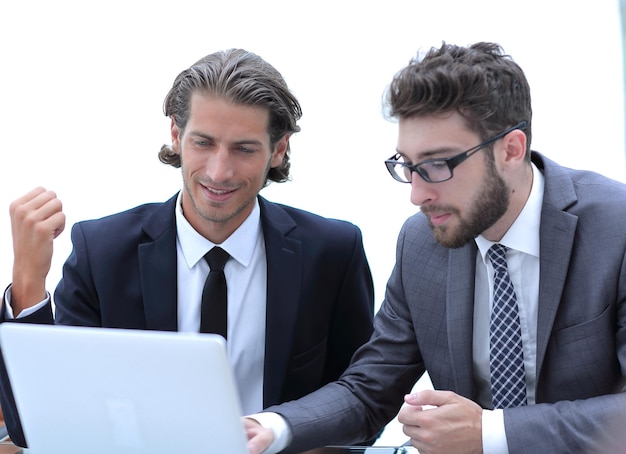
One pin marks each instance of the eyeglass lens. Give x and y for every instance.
(431, 171)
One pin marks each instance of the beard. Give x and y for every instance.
(488, 205)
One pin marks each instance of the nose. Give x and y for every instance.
(422, 192)
(219, 165)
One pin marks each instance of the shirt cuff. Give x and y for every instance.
(25, 312)
(280, 428)
(494, 435)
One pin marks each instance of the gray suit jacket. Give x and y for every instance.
(425, 324)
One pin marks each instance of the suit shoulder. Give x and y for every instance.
(593, 186)
(301, 217)
(416, 224)
(131, 218)
(595, 196)
(311, 226)
(139, 210)
(588, 189)
(417, 234)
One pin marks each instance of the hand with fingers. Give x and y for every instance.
(442, 422)
(36, 220)
(259, 437)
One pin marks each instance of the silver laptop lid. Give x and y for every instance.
(104, 390)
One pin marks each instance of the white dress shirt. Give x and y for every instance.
(246, 281)
(522, 239)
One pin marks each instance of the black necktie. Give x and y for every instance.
(214, 310)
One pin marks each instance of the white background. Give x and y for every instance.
(82, 86)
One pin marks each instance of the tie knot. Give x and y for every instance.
(217, 258)
(497, 255)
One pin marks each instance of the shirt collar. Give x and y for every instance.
(240, 244)
(523, 235)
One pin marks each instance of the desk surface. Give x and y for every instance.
(365, 450)
(9, 448)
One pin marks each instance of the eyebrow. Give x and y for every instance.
(431, 154)
(236, 142)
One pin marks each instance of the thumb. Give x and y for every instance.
(430, 397)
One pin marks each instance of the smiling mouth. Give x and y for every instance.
(219, 191)
(217, 194)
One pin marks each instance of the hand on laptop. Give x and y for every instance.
(259, 437)
(36, 220)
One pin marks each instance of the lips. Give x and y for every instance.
(217, 194)
(438, 218)
(219, 191)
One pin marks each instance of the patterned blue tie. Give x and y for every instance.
(508, 383)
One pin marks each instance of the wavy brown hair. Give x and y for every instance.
(240, 77)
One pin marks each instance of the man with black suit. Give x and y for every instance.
(299, 287)
(504, 235)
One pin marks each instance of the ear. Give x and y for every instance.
(175, 132)
(279, 151)
(514, 152)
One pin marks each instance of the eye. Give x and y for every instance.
(202, 142)
(246, 150)
(438, 164)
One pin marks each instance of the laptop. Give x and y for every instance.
(106, 390)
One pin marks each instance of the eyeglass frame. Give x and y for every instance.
(451, 162)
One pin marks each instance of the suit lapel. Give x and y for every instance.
(556, 236)
(157, 268)
(557, 233)
(284, 270)
(460, 315)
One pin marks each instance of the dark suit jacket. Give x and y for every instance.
(425, 324)
(122, 274)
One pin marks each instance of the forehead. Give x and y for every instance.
(424, 135)
(209, 112)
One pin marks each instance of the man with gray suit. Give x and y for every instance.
(509, 287)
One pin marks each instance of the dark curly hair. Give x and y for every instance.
(479, 82)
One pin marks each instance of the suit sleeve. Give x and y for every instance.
(76, 297)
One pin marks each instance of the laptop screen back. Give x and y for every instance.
(103, 390)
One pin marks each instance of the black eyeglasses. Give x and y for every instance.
(438, 170)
